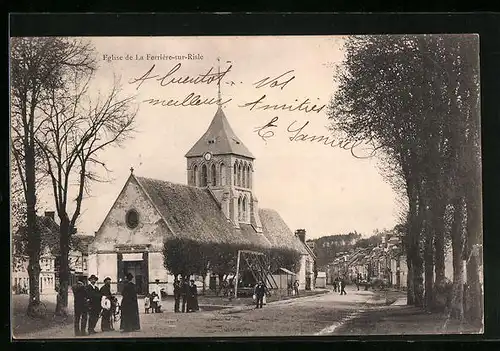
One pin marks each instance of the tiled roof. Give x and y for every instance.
(219, 139)
(278, 233)
(193, 213)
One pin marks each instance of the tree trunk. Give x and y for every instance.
(429, 265)
(34, 240)
(410, 290)
(474, 296)
(417, 261)
(64, 235)
(456, 308)
(439, 249)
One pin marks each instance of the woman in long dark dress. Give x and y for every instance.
(193, 298)
(129, 307)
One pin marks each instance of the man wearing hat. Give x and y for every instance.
(106, 323)
(94, 296)
(80, 304)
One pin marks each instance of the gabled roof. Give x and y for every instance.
(219, 139)
(49, 235)
(277, 232)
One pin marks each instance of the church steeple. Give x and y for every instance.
(220, 162)
(219, 139)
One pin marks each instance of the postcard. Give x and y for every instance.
(245, 186)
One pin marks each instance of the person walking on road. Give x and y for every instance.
(81, 308)
(335, 284)
(342, 286)
(177, 295)
(259, 293)
(130, 307)
(296, 287)
(94, 296)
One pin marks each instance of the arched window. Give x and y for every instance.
(222, 174)
(195, 175)
(244, 176)
(239, 174)
(239, 208)
(244, 209)
(235, 173)
(204, 175)
(249, 177)
(214, 175)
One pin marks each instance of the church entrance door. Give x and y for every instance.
(136, 264)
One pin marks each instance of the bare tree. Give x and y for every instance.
(37, 66)
(77, 128)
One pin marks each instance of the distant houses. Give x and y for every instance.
(49, 257)
(385, 261)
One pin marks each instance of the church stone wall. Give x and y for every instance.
(107, 267)
(115, 230)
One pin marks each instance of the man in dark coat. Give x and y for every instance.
(185, 294)
(81, 308)
(94, 296)
(259, 292)
(177, 295)
(106, 323)
(342, 286)
(129, 306)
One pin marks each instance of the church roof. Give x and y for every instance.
(193, 213)
(278, 233)
(219, 139)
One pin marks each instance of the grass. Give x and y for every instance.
(390, 296)
(22, 324)
(404, 320)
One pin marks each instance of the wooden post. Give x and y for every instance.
(237, 275)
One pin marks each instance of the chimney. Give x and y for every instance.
(50, 214)
(301, 234)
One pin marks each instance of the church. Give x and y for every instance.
(217, 205)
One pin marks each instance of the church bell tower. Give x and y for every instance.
(221, 163)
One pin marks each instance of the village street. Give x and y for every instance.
(313, 315)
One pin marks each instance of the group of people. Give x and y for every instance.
(339, 284)
(186, 290)
(92, 303)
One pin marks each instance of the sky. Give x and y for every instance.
(320, 188)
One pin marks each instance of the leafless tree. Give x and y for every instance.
(77, 128)
(37, 66)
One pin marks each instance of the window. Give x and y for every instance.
(222, 174)
(239, 174)
(235, 173)
(132, 219)
(195, 176)
(239, 209)
(204, 175)
(244, 208)
(244, 176)
(214, 175)
(249, 173)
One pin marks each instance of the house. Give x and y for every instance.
(49, 256)
(217, 205)
(308, 259)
